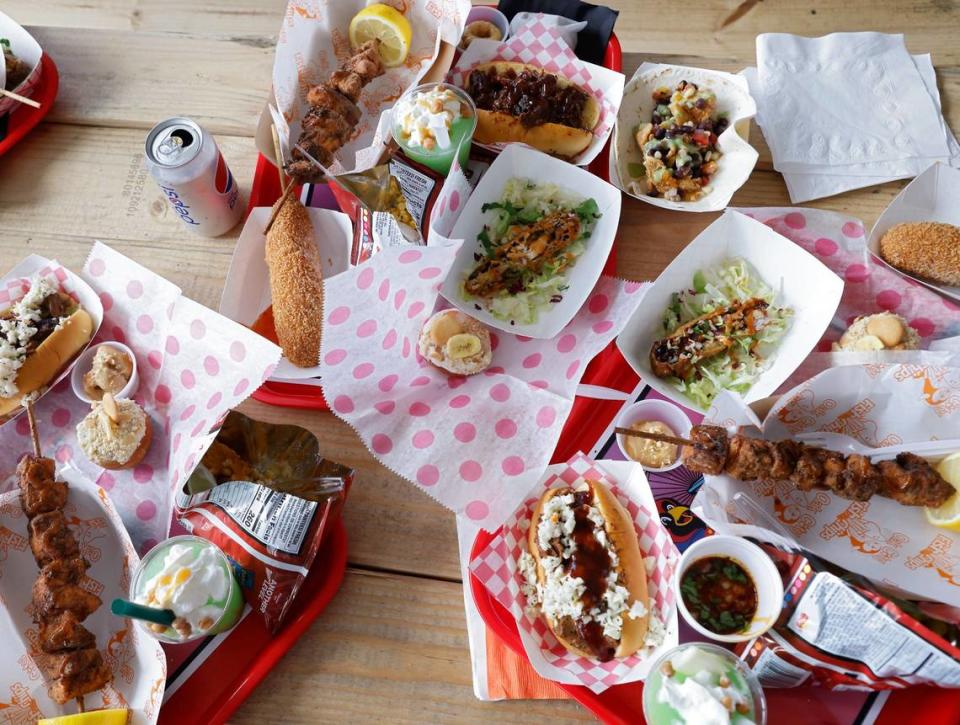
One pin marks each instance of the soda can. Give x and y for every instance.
(188, 167)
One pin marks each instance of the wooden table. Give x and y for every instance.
(393, 644)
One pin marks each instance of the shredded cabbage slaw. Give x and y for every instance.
(738, 369)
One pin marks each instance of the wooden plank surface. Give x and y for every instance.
(393, 645)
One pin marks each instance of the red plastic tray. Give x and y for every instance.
(229, 674)
(266, 190)
(21, 121)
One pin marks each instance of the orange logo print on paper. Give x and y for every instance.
(88, 533)
(867, 537)
(792, 506)
(119, 654)
(22, 708)
(10, 541)
(803, 410)
(937, 392)
(937, 556)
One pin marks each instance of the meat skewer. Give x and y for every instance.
(909, 479)
(331, 120)
(72, 663)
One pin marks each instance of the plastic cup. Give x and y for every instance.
(656, 410)
(659, 713)
(152, 563)
(461, 133)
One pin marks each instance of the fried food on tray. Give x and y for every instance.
(909, 480)
(882, 331)
(930, 250)
(296, 284)
(72, 665)
(333, 114)
(679, 144)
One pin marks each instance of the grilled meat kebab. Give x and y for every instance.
(909, 480)
(333, 114)
(72, 662)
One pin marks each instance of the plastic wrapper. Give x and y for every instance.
(845, 635)
(268, 502)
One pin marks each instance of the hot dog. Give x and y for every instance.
(585, 571)
(39, 335)
(520, 102)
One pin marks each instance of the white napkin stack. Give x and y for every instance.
(847, 110)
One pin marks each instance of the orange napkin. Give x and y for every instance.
(510, 676)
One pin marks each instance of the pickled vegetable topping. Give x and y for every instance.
(720, 594)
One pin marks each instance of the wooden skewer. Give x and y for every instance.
(278, 153)
(33, 429)
(80, 704)
(278, 207)
(654, 436)
(20, 99)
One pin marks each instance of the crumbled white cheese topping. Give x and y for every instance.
(15, 333)
(560, 594)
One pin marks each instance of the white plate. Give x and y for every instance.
(733, 98)
(70, 283)
(26, 49)
(523, 161)
(246, 292)
(802, 282)
(934, 196)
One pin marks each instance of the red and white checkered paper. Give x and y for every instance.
(498, 570)
(542, 46)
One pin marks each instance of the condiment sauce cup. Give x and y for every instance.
(758, 566)
(85, 362)
(659, 410)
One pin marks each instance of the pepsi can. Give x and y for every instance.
(188, 167)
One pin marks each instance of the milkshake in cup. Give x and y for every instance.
(191, 577)
(700, 683)
(433, 123)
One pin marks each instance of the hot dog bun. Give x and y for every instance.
(551, 138)
(632, 573)
(296, 284)
(43, 365)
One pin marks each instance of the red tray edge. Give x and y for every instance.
(28, 118)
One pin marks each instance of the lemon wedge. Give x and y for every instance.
(94, 717)
(388, 26)
(947, 516)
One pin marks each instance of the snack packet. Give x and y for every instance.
(263, 494)
(845, 635)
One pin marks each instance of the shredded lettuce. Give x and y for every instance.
(525, 202)
(738, 369)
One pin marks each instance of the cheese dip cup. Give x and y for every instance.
(432, 122)
(193, 578)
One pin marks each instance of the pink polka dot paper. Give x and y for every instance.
(465, 441)
(497, 569)
(194, 365)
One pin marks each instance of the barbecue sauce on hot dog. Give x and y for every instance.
(591, 563)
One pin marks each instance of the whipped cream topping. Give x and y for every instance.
(425, 117)
(193, 583)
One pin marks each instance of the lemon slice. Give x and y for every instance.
(94, 717)
(947, 516)
(388, 26)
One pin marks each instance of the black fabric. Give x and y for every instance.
(592, 40)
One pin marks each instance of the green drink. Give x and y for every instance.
(193, 578)
(434, 123)
(701, 683)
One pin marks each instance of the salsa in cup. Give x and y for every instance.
(434, 123)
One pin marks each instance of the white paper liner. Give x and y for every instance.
(739, 157)
(137, 661)
(27, 49)
(497, 569)
(802, 283)
(878, 405)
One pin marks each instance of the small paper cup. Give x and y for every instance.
(759, 566)
(653, 409)
(491, 15)
(84, 363)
